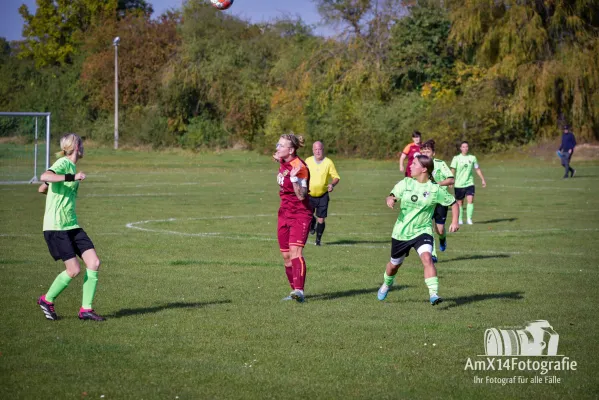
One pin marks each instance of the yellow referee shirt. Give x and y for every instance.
(320, 174)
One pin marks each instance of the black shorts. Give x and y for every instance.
(64, 245)
(320, 205)
(400, 248)
(440, 214)
(460, 193)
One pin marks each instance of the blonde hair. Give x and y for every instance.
(297, 141)
(68, 144)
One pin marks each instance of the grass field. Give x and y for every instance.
(191, 283)
(17, 160)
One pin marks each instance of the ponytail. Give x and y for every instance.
(297, 141)
(68, 144)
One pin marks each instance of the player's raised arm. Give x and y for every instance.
(299, 185)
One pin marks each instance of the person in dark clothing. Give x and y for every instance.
(566, 150)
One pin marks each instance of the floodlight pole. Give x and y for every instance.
(116, 92)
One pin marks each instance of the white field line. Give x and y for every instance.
(133, 225)
(226, 235)
(41, 234)
(159, 194)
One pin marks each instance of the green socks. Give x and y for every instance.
(89, 288)
(461, 213)
(90, 282)
(388, 279)
(469, 210)
(60, 283)
(433, 285)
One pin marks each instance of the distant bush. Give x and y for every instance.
(204, 133)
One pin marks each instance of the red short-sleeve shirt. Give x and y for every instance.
(289, 201)
(411, 150)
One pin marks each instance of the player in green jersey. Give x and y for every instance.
(65, 239)
(443, 176)
(418, 197)
(462, 166)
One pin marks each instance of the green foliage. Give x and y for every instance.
(351, 12)
(145, 48)
(547, 50)
(145, 126)
(4, 49)
(497, 73)
(124, 7)
(222, 71)
(53, 89)
(54, 32)
(203, 132)
(420, 51)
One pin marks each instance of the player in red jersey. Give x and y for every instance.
(295, 212)
(409, 152)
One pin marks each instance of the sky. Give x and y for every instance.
(11, 22)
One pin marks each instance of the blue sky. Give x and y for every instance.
(11, 23)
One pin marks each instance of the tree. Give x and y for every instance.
(142, 6)
(4, 48)
(420, 51)
(367, 23)
(55, 32)
(146, 47)
(543, 53)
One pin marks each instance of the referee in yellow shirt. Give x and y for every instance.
(321, 170)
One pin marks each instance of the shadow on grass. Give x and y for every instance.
(494, 221)
(474, 257)
(348, 241)
(349, 293)
(127, 312)
(452, 302)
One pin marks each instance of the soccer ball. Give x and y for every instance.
(222, 4)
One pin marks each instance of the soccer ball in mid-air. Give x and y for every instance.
(222, 4)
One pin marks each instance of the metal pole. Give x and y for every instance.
(116, 96)
(47, 141)
(35, 154)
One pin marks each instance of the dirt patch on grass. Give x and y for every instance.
(582, 152)
(587, 151)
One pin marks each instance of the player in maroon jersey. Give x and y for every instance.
(409, 152)
(295, 212)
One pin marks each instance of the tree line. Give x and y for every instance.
(496, 73)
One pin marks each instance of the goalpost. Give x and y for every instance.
(17, 137)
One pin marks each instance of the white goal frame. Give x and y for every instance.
(36, 115)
